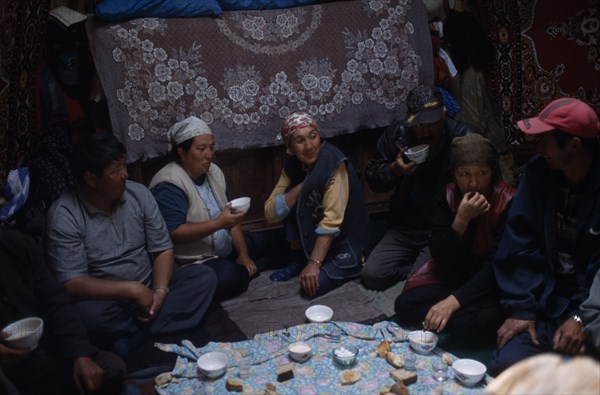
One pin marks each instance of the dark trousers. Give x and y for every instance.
(394, 256)
(41, 372)
(521, 346)
(327, 284)
(190, 293)
(475, 323)
(266, 248)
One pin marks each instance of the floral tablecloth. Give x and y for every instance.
(320, 374)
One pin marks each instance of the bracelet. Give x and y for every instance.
(577, 318)
(318, 262)
(166, 289)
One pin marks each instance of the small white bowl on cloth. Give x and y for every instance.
(319, 313)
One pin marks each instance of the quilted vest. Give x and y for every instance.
(200, 250)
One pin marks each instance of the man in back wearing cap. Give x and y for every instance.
(550, 250)
(414, 185)
(107, 243)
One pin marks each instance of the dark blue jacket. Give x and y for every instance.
(344, 258)
(527, 256)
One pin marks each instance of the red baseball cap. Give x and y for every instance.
(567, 114)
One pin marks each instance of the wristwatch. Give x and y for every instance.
(577, 319)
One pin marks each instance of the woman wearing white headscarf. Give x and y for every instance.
(191, 194)
(320, 200)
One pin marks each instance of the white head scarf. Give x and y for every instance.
(185, 130)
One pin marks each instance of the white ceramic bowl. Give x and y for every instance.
(468, 371)
(345, 355)
(422, 341)
(418, 153)
(25, 333)
(300, 351)
(240, 205)
(213, 364)
(319, 313)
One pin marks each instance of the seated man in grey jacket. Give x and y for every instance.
(108, 244)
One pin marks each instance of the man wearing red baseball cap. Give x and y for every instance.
(550, 249)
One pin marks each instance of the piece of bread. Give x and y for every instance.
(234, 384)
(163, 379)
(385, 390)
(395, 360)
(270, 389)
(447, 358)
(383, 348)
(404, 376)
(399, 389)
(285, 372)
(350, 377)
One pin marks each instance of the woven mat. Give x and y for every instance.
(268, 305)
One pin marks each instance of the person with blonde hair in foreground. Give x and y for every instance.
(549, 374)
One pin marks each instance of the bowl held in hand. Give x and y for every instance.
(417, 153)
(25, 333)
(240, 205)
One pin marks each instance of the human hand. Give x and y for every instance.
(309, 278)
(512, 327)
(472, 205)
(87, 375)
(439, 314)
(10, 356)
(227, 219)
(400, 166)
(158, 297)
(144, 299)
(569, 338)
(248, 263)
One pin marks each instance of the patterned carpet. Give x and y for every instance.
(23, 28)
(544, 52)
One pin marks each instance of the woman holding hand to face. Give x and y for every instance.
(320, 200)
(456, 291)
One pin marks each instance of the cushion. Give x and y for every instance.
(118, 10)
(232, 5)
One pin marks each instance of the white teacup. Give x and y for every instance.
(300, 351)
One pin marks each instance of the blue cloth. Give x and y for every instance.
(118, 10)
(16, 190)
(452, 106)
(233, 5)
(221, 238)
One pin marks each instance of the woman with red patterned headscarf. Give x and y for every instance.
(320, 200)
